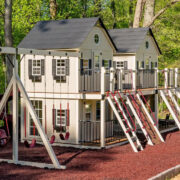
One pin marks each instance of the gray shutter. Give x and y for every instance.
(142, 64)
(137, 64)
(54, 68)
(30, 68)
(67, 67)
(81, 66)
(114, 64)
(110, 64)
(103, 63)
(125, 65)
(90, 66)
(42, 67)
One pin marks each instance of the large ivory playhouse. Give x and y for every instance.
(87, 97)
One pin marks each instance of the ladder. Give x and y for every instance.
(147, 123)
(125, 124)
(172, 105)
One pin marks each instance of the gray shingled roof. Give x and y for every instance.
(128, 40)
(60, 34)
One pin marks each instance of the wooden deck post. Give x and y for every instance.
(103, 128)
(176, 78)
(156, 78)
(15, 112)
(166, 78)
(112, 79)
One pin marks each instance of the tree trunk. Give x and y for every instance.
(138, 13)
(53, 9)
(149, 12)
(8, 35)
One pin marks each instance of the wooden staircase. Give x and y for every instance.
(172, 105)
(146, 119)
(124, 122)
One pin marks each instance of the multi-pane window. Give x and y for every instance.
(36, 67)
(61, 119)
(96, 62)
(147, 63)
(88, 111)
(85, 64)
(120, 64)
(38, 108)
(60, 67)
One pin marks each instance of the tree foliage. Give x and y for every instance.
(114, 13)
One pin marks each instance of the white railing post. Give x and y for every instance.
(156, 78)
(166, 78)
(120, 80)
(112, 79)
(134, 79)
(103, 125)
(176, 77)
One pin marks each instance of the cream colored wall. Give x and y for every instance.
(73, 128)
(89, 46)
(143, 53)
(72, 79)
(129, 58)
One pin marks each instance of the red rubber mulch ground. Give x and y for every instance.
(119, 163)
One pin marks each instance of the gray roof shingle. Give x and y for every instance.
(128, 40)
(60, 34)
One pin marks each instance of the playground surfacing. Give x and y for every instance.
(119, 163)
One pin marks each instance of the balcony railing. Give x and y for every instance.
(91, 80)
(90, 132)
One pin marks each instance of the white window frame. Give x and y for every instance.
(119, 64)
(61, 120)
(37, 109)
(36, 68)
(60, 67)
(96, 62)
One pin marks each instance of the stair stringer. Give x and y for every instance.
(174, 100)
(139, 122)
(122, 124)
(150, 118)
(170, 109)
(133, 133)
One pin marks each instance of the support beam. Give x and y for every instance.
(15, 113)
(38, 125)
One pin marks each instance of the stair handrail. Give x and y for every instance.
(139, 112)
(134, 124)
(156, 121)
(129, 129)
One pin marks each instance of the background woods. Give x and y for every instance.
(162, 15)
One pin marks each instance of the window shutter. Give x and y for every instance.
(103, 63)
(81, 66)
(30, 68)
(125, 65)
(42, 67)
(67, 67)
(137, 65)
(90, 66)
(54, 68)
(110, 63)
(142, 64)
(114, 64)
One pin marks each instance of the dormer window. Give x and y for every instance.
(96, 38)
(147, 44)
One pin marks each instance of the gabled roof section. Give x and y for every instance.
(60, 34)
(128, 40)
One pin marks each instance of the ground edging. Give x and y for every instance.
(169, 173)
